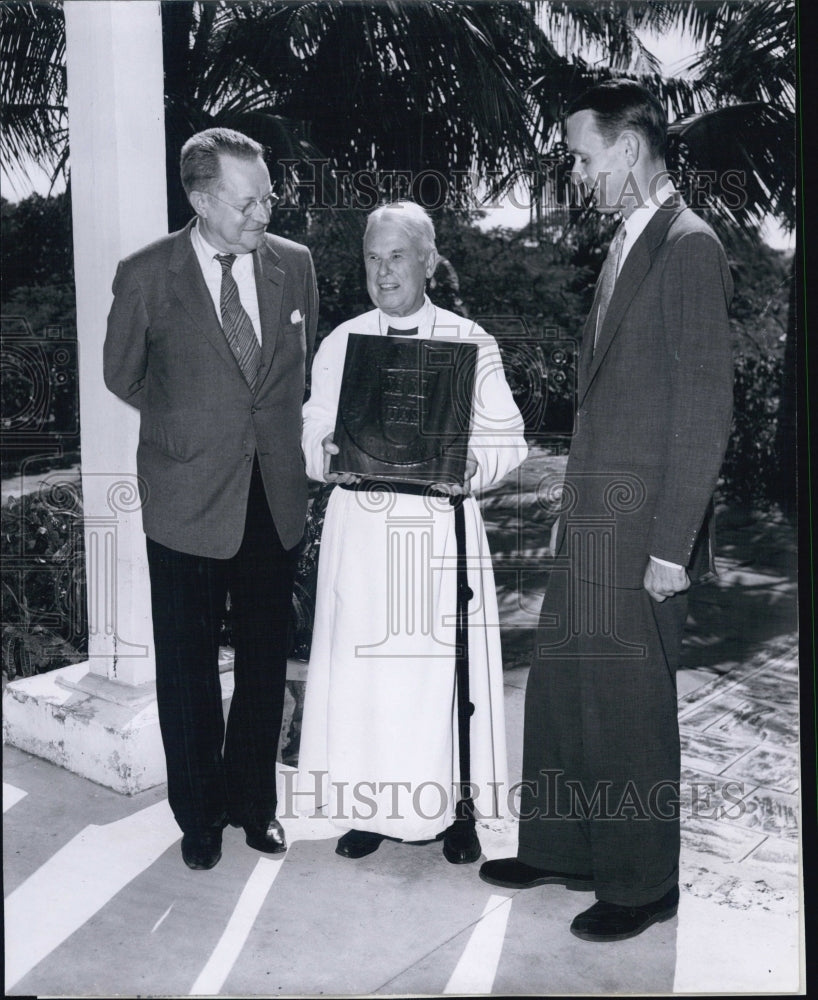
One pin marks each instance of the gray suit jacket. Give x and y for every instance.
(654, 406)
(165, 353)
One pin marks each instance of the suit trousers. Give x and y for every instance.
(601, 757)
(217, 772)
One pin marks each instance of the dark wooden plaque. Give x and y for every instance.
(404, 411)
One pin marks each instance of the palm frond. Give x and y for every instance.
(390, 86)
(739, 162)
(754, 59)
(33, 112)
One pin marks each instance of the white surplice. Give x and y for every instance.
(379, 747)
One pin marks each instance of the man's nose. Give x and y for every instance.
(383, 266)
(261, 211)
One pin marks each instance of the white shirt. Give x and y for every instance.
(242, 273)
(637, 221)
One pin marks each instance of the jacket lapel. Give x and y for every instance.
(189, 286)
(270, 290)
(586, 351)
(636, 266)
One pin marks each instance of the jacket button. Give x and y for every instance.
(254, 409)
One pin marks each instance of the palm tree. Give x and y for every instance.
(329, 80)
(438, 86)
(341, 82)
(33, 111)
(752, 75)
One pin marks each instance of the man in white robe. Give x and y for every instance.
(379, 740)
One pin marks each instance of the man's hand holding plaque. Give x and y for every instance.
(460, 489)
(351, 478)
(342, 478)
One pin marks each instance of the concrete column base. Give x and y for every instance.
(98, 728)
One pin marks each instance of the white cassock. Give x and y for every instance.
(379, 746)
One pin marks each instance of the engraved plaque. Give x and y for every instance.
(404, 411)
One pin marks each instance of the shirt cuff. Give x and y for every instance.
(664, 562)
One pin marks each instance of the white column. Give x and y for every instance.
(119, 203)
(99, 718)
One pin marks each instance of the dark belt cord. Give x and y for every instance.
(465, 709)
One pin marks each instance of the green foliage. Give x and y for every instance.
(752, 473)
(760, 307)
(335, 240)
(750, 469)
(43, 582)
(512, 273)
(48, 310)
(39, 381)
(37, 244)
(306, 577)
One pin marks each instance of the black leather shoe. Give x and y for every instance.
(262, 834)
(358, 843)
(202, 850)
(268, 838)
(611, 922)
(460, 843)
(511, 873)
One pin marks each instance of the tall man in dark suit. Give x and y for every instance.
(599, 806)
(208, 336)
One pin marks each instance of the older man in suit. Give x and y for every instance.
(208, 337)
(601, 761)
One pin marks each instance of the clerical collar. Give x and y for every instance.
(408, 326)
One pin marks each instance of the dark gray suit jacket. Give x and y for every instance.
(165, 353)
(654, 406)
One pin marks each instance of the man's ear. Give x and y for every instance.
(431, 263)
(631, 146)
(198, 202)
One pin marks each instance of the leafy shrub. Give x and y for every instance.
(750, 469)
(39, 379)
(306, 576)
(44, 612)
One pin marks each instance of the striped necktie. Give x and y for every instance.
(607, 277)
(238, 329)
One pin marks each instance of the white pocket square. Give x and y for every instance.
(296, 316)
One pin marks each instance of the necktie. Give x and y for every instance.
(607, 277)
(392, 332)
(236, 323)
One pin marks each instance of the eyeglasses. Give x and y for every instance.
(268, 203)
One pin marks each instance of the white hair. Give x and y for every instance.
(411, 218)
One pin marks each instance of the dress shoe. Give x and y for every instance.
(268, 838)
(460, 843)
(202, 850)
(611, 922)
(358, 843)
(511, 873)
